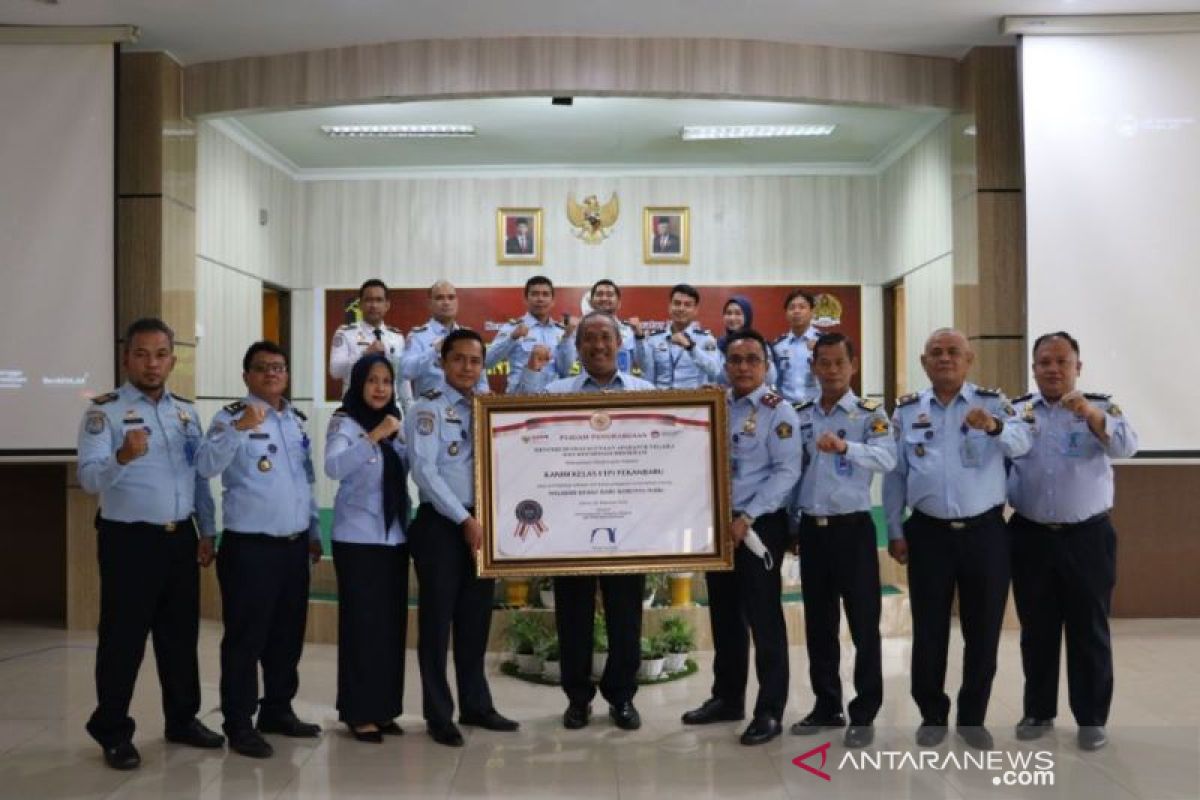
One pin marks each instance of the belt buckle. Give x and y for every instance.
(293, 537)
(957, 525)
(169, 527)
(822, 522)
(1056, 527)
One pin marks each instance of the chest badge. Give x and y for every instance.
(265, 465)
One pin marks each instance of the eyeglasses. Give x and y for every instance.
(750, 361)
(273, 369)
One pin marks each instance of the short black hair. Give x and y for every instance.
(750, 334)
(372, 283)
(458, 335)
(833, 340)
(1068, 338)
(687, 289)
(604, 282)
(264, 346)
(538, 280)
(148, 325)
(794, 293)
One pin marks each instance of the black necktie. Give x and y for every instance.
(378, 335)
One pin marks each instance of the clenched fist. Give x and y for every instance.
(389, 426)
(832, 443)
(979, 419)
(519, 332)
(251, 418)
(539, 357)
(135, 445)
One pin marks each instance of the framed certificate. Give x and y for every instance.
(600, 483)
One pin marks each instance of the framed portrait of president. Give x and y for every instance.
(602, 483)
(519, 236)
(666, 235)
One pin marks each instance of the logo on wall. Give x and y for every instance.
(828, 311)
(591, 222)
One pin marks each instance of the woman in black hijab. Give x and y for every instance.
(363, 451)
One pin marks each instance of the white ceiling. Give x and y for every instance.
(207, 30)
(598, 132)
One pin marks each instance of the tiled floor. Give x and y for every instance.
(46, 694)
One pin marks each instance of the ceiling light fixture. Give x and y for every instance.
(399, 131)
(693, 133)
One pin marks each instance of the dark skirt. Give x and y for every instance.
(372, 628)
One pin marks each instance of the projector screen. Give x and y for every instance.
(1112, 159)
(56, 241)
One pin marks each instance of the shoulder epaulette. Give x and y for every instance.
(907, 400)
(299, 414)
(105, 398)
(1023, 398)
(781, 337)
(432, 394)
(347, 327)
(987, 392)
(394, 329)
(1097, 396)
(703, 332)
(770, 399)
(869, 405)
(339, 413)
(417, 329)
(804, 405)
(235, 406)
(183, 399)
(513, 321)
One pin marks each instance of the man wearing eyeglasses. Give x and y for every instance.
(259, 447)
(765, 461)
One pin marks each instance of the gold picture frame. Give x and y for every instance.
(549, 506)
(671, 244)
(511, 248)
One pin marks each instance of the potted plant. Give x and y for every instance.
(678, 640)
(656, 589)
(544, 589)
(525, 634)
(599, 644)
(653, 656)
(551, 667)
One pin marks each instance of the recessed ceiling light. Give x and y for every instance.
(692, 133)
(398, 131)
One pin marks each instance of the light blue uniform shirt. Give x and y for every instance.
(841, 484)
(669, 366)
(627, 357)
(356, 461)
(420, 364)
(621, 382)
(1067, 475)
(793, 360)
(764, 451)
(162, 485)
(516, 352)
(943, 468)
(441, 447)
(267, 474)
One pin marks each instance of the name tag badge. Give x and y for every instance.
(1074, 443)
(843, 466)
(970, 451)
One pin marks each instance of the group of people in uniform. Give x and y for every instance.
(804, 450)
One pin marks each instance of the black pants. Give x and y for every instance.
(372, 583)
(149, 585)
(747, 602)
(574, 610)
(264, 599)
(839, 563)
(451, 600)
(976, 562)
(1063, 580)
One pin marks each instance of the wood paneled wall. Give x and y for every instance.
(718, 68)
(33, 498)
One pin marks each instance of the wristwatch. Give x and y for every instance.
(999, 427)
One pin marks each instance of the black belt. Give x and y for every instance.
(169, 527)
(962, 523)
(833, 520)
(259, 537)
(1063, 527)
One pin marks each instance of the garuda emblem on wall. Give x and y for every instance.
(591, 222)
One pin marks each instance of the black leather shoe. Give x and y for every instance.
(761, 730)
(288, 725)
(1092, 737)
(363, 735)
(249, 743)
(576, 716)
(816, 721)
(625, 716)
(859, 736)
(194, 734)
(391, 729)
(123, 756)
(975, 736)
(1030, 728)
(489, 720)
(931, 733)
(713, 710)
(446, 733)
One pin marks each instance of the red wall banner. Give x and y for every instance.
(839, 308)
